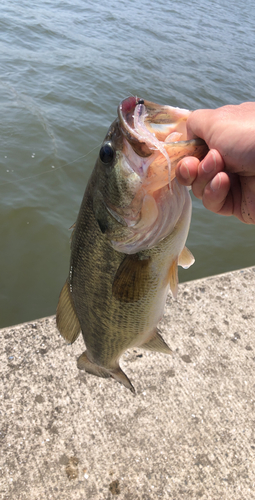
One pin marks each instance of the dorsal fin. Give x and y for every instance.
(186, 259)
(67, 321)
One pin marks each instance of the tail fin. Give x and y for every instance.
(84, 363)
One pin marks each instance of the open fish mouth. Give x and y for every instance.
(158, 135)
(167, 123)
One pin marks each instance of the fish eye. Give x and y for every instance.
(107, 153)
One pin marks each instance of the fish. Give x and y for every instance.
(129, 238)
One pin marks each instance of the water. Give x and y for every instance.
(64, 68)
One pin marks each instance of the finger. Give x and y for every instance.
(211, 165)
(217, 196)
(198, 123)
(186, 170)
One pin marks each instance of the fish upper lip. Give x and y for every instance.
(126, 120)
(126, 110)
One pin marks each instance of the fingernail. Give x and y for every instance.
(215, 183)
(184, 171)
(209, 164)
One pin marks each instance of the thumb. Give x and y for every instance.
(198, 124)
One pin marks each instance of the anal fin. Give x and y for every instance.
(67, 321)
(83, 363)
(157, 344)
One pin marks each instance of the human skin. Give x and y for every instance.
(225, 179)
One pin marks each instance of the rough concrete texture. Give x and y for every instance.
(188, 433)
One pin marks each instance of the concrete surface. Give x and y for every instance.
(188, 433)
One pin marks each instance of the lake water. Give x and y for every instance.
(64, 68)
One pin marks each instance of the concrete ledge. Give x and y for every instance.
(188, 433)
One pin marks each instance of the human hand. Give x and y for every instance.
(225, 179)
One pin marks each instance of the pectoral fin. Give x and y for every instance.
(157, 344)
(186, 259)
(67, 321)
(131, 279)
(173, 278)
(84, 363)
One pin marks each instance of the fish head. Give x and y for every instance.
(136, 197)
(116, 186)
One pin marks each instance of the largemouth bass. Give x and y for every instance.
(129, 238)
